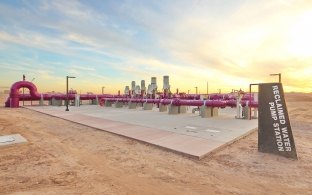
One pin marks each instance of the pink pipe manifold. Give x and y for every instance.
(15, 96)
(183, 102)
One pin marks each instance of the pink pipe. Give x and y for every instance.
(251, 103)
(221, 100)
(187, 96)
(182, 102)
(218, 96)
(28, 97)
(13, 100)
(248, 96)
(15, 96)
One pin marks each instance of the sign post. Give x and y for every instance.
(274, 130)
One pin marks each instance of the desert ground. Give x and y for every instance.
(62, 157)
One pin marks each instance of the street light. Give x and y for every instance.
(196, 89)
(67, 77)
(279, 76)
(103, 89)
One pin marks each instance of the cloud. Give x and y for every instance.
(232, 43)
(83, 68)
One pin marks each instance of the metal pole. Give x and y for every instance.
(249, 101)
(23, 96)
(67, 98)
(67, 94)
(250, 85)
(207, 87)
(279, 76)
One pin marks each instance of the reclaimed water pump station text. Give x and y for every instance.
(279, 125)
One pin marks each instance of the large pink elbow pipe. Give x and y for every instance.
(13, 100)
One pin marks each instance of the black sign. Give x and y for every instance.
(274, 130)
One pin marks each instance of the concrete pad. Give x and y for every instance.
(196, 146)
(107, 125)
(215, 112)
(205, 111)
(148, 106)
(118, 104)
(163, 108)
(188, 134)
(11, 139)
(132, 105)
(182, 109)
(246, 113)
(173, 109)
(108, 103)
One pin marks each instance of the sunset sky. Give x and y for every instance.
(230, 44)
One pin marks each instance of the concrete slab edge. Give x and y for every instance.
(158, 146)
(214, 151)
(141, 141)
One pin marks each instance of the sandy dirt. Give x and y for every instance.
(62, 157)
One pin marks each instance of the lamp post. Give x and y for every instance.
(67, 77)
(103, 89)
(196, 89)
(279, 76)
